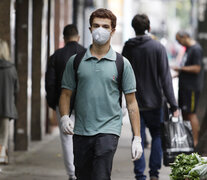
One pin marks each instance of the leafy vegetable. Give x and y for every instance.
(200, 169)
(182, 166)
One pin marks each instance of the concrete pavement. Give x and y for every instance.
(123, 166)
(44, 161)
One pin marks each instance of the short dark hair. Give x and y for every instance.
(103, 13)
(70, 30)
(183, 33)
(140, 23)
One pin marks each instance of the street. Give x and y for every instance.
(44, 161)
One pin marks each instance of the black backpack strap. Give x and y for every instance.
(78, 58)
(120, 69)
(76, 63)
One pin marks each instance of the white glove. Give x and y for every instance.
(136, 148)
(67, 125)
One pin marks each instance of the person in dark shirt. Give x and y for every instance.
(149, 61)
(190, 80)
(55, 68)
(9, 84)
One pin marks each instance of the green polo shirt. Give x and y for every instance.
(97, 108)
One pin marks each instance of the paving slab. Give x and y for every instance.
(44, 161)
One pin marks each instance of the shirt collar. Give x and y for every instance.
(111, 55)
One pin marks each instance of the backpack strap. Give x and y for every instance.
(78, 58)
(120, 69)
(76, 63)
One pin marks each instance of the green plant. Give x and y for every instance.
(182, 165)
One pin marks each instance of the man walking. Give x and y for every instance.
(98, 114)
(55, 69)
(149, 61)
(190, 80)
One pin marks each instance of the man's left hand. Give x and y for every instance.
(176, 68)
(136, 148)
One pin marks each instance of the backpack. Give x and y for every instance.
(120, 68)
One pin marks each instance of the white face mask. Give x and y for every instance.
(100, 35)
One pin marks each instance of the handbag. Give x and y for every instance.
(177, 138)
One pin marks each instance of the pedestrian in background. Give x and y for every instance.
(9, 87)
(54, 73)
(98, 114)
(150, 64)
(190, 73)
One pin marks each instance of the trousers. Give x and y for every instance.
(93, 156)
(151, 119)
(67, 147)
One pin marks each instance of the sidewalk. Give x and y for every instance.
(44, 161)
(123, 166)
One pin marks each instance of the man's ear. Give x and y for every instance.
(90, 29)
(113, 31)
(78, 38)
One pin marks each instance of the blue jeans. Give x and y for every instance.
(151, 119)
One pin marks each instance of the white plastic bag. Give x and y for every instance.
(201, 168)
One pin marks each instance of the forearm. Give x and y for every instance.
(134, 116)
(64, 103)
(195, 69)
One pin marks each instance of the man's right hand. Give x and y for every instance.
(67, 125)
(176, 113)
